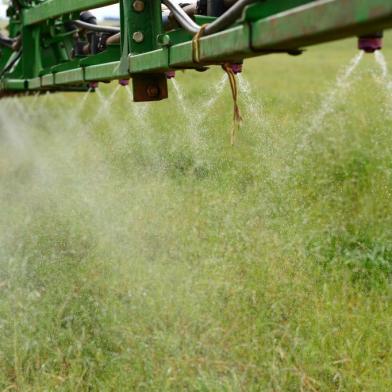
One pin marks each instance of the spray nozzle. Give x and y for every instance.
(170, 74)
(370, 43)
(236, 68)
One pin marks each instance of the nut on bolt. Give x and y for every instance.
(138, 5)
(152, 91)
(138, 36)
(163, 39)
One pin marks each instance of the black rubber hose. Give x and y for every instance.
(97, 28)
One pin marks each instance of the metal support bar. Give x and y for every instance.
(320, 21)
(54, 8)
(142, 27)
(146, 59)
(31, 54)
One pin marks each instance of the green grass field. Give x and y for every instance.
(140, 251)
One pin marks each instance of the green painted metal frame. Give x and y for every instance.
(265, 27)
(324, 22)
(55, 8)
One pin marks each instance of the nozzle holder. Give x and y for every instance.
(236, 67)
(370, 43)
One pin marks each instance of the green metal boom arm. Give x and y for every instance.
(146, 51)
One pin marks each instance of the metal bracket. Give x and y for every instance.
(149, 87)
(143, 24)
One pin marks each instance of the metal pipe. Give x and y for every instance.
(169, 20)
(181, 17)
(225, 20)
(97, 28)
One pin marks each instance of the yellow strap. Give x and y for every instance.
(196, 44)
(237, 118)
(232, 79)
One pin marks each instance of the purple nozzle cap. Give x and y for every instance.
(93, 85)
(236, 67)
(170, 74)
(370, 44)
(123, 82)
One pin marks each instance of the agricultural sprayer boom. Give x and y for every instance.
(56, 45)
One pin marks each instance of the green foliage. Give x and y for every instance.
(140, 251)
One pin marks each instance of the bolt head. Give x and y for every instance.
(152, 91)
(163, 39)
(138, 36)
(138, 5)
